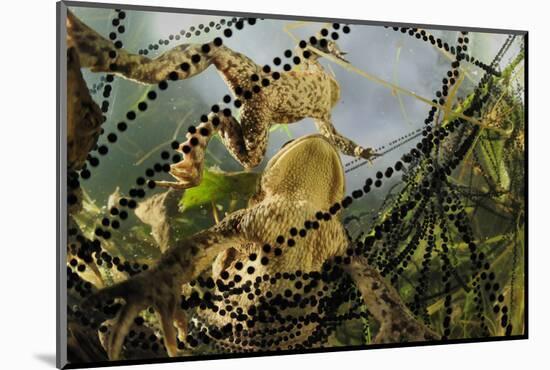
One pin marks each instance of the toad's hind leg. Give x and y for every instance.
(397, 322)
(160, 286)
(247, 150)
(101, 55)
(181, 62)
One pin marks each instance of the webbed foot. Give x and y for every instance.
(149, 289)
(188, 171)
(366, 153)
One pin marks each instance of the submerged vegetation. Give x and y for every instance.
(459, 258)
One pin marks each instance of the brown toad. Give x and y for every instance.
(265, 97)
(248, 244)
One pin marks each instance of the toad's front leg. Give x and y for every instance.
(345, 145)
(247, 150)
(160, 287)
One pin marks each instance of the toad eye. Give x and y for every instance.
(288, 142)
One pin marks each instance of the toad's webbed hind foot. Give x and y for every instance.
(139, 293)
(160, 287)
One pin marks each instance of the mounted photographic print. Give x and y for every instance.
(236, 184)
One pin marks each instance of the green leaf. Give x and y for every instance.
(218, 185)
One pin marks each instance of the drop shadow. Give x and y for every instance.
(47, 358)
